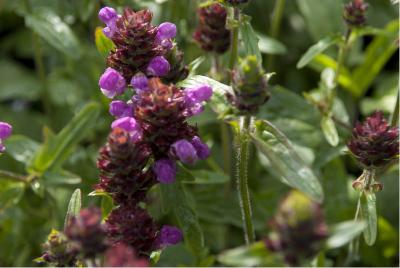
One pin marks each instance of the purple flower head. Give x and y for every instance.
(130, 125)
(112, 83)
(170, 235)
(185, 151)
(158, 66)
(165, 170)
(5, 130)
(198, 94)
(119, 108)
(140, 83)
(202, 149)
(166, 30)
(107, 14)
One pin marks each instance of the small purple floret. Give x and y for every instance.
(112, 83)
(198, 94)
(202, 149)
(106, 14)
(185, 151)
(158, 66)
(166, 30)
(165, 170)
(170, 235)
(5, 130)
(140, 83)
(130, 125)
(119, 108)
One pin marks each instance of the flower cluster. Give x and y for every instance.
(354, 13)
(5, 132)
(374, 143)
(299, 229)
(121, 255)
(150, 131)
(211, 33)
(249, 85)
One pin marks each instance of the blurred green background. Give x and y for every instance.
(49, 69)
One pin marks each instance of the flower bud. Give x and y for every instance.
(130, 125)
(165, 170)
(107, 14)
(202, 149)
(120, 108)
(166, 30)
(185, 151)
(354, 13)
(5, 130)
(170, 235)
(158, 66)
(374, 143)
(140, 83)
(112, 83)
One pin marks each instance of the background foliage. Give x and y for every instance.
(49, 69)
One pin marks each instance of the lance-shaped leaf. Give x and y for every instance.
(285, 161)
(74, 206)
(344, 232)
(21, 148)
(330, 132)
(250, 39)
(368, 213)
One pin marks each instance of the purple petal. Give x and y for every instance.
(106, 14)
(120, 109)
(2, 148)
(198, 94)
(112, 83)
(158, 66)
(185, 151)
(166, 30)
(130, 125)
(140, 83)
(165, 170)
(202, 149)
(5, 130)
(170, 235)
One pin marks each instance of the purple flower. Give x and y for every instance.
(140, 83)
(165, 170)
(170, 235)
(198, 94)
(166, 30)
(185, 151)
(119, 108)
(107, 14)
(130, 125)
(167, 44)
(202, 149)
(112, 83)
(5, 130)
(158, 66)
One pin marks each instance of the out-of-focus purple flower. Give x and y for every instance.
(120, 108)
(122, 255)
(5, 130)
(185, 151)
(140, 83)
(170, 235)
(158, 66)
(202, 149)
(198, 94)
(166, 30)
(130, 125)
(107, 14)
(165, 170)
(112, 83)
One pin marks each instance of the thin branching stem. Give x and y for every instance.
(276, 20)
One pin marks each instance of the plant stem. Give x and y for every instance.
(394, 120)
(226, 150)
(275, 26)
(13, 176)
(235, 38)
(243, 189)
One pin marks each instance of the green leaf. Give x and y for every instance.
(175, 196)
(74, 206)
(274, 144)
(56, 147)
(368, 213)
(330, 132)
(218, 101)
(254, 255)
(269, 45)
(344, 232)
(11, 193)
(21, 148)
(207, 177)
(316, 49)
(107, 205)
(250, 39)
(103, 43)
(57, 33)
(184, 174)
(378, 52)
(60, 178)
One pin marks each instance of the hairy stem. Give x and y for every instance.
(276, 20)
(241, 174)
(235, 38)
